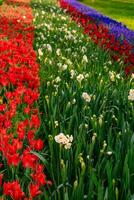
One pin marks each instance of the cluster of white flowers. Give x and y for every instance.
(86, 96)
(131, 95)
(65, 140)
(113, 76)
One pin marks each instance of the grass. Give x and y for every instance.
(120, 10)
(99, 165)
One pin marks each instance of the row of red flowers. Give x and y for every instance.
(100, 35)
(21, 173)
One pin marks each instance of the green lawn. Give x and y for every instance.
(120, 10)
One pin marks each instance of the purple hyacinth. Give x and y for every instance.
(119, 30)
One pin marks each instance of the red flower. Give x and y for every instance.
(2, 107)
(35, 121)
(39, 145)
(29, 160)
(36, 144)
(39, 168)
(129, 69)
(39, 178)
(13, 190)
(34, 190)
(13, 159)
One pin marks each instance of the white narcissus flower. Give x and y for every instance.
(86, 96)
(80, 77)
(132, 76)
(73, 31)
(50, 62)
(131, 95)
(109, 153)
(104, 144)
(112, 76)
(110, 62)
(86, 75)
(61, 138)
(72, 72)
(40, 52)
(65, 140)
(85, 59)
(63, 67)
(68, 145)
(73, 101)
(69, 62)
(70, 138)
(58, 79)
(58, 51)
(118, 76)
(56, 123)
(49, 48)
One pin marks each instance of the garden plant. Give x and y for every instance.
(66, 106)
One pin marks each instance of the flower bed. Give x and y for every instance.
(118, 29)
(84, 112)
(87, 110)
(104, 31)
(21, 173)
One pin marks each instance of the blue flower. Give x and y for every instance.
(119, 30)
